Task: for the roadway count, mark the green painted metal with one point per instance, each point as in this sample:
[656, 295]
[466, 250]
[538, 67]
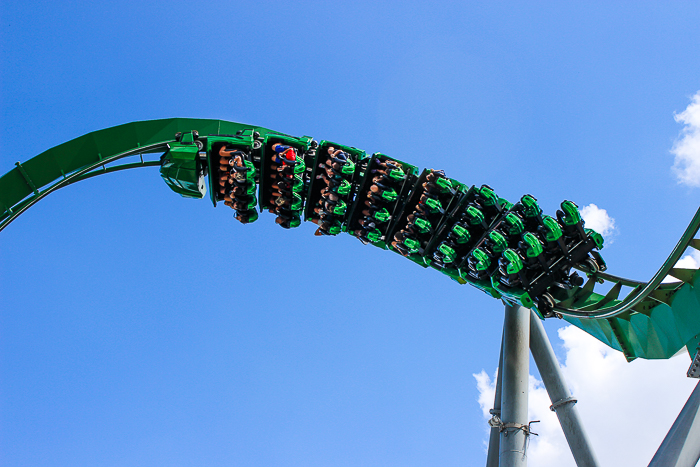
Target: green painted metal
[182, 168]
[654, 320]
[31, 181]
[350, 174]
[406, 177]
[244, 141]
[301, 145]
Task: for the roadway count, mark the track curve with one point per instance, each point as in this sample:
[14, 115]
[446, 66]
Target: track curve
[653, 320]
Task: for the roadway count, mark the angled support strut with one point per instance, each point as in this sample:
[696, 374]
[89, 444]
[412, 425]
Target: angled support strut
[681, 447]
[562, 402]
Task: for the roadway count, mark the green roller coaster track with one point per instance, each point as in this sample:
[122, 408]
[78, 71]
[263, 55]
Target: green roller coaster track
[653, 320]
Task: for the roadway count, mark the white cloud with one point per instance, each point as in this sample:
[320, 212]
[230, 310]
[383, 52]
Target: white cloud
[598, 219]
[686, 149]
[689, 261]
[626, 408]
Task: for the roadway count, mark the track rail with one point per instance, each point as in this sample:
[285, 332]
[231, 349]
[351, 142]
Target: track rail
[654, 319]
[642, 290]
[89, 171]
[88, 155]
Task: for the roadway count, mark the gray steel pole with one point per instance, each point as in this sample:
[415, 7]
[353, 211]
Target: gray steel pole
[562, 401]
[516, 370]
[495, 435]
[681, 447]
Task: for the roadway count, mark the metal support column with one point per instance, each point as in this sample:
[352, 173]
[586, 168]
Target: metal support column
[516, 367]
[681, 447]
[562, 401]
[495, 435]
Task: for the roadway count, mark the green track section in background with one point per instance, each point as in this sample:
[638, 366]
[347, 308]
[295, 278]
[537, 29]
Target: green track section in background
[98, 148]
[653, 320]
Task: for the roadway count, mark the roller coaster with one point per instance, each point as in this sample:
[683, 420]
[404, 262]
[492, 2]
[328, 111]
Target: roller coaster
[511, 251]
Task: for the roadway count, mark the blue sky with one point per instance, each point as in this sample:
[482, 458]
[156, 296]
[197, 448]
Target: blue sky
[141, 328]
